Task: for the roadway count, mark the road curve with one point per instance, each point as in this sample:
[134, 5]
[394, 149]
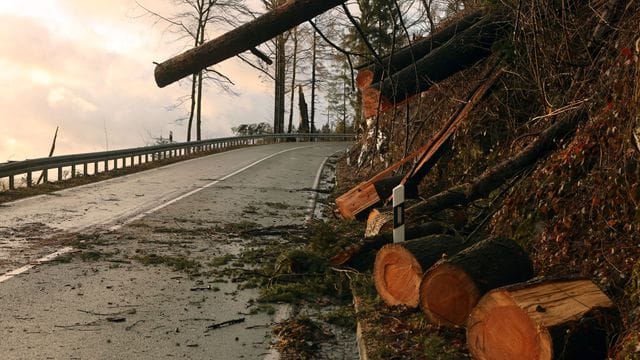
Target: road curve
[26, 225]
[116, 307]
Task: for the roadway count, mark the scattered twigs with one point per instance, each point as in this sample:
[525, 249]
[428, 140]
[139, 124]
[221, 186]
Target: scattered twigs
[130, 311]
[225, 323]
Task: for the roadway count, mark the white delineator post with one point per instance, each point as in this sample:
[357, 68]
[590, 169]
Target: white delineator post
[398, 214]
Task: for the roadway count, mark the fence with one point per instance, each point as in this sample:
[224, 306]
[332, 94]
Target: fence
[108, 160]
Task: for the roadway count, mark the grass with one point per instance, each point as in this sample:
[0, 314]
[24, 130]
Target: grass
[221, 260]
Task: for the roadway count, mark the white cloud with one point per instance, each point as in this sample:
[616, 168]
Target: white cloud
[86, 66]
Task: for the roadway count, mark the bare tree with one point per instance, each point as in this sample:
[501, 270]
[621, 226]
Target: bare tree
[191, 24]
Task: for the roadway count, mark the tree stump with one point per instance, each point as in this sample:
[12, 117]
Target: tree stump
[451, 288]
[398, 268]
[545, 319]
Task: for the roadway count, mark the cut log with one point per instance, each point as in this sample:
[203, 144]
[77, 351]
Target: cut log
[398, 268]
[404, 57]
[351, 255]
[379, 221]
[364, 195]
[243, 38]
[542, 320]
[452, 287]
[461, 52]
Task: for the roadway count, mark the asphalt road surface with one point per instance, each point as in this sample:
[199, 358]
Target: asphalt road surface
[99, 299]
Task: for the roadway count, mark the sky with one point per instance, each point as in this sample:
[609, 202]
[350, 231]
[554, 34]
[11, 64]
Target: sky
[87, 67]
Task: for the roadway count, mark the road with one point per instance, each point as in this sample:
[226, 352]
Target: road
[102, 300]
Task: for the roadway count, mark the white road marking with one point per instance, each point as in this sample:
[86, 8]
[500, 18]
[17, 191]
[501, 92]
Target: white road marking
[42, 260]
[66, 250]
[172, 201]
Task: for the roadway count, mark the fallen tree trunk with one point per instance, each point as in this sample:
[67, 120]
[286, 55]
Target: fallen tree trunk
[240, 39]
[379, 187]
[461, 52]
[542, 320]
[406, 56]
[351, 255]
[495, 177]
[398, 268]
[451, 288]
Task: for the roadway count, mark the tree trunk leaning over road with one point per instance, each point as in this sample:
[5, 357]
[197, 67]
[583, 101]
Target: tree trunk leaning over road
[451, 288]
[542, 320]
[406, 56]
[243, 38]
[398, 268]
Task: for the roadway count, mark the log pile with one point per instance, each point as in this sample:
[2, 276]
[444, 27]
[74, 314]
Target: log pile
[398, 269]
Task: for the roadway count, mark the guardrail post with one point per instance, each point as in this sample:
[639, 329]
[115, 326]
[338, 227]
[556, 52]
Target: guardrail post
[45, 176]
[29, 179]
[12, 182]
[59, 173]
[73, 170]
[85, 169]
[106, 166]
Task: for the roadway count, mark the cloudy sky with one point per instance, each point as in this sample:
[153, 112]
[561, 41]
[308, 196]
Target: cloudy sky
[86, 66]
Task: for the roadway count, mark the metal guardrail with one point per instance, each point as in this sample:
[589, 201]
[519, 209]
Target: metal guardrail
[144, 155]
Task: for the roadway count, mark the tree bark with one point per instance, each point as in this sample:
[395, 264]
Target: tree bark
[542, 320]
[293, 79]
[461, 52]
[356, 255]
[245, 37]
[495, 177]
[278, 121]
[304, 112]
[451, 288]
[312, 125]
[406, 56]
[398, 268]
[362, 197]
[194, 86]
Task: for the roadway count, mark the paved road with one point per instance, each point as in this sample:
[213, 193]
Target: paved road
[114, 307]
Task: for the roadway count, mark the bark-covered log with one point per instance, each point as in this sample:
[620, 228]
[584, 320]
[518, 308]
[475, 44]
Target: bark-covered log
[364, 195]
[495, 177]
[243, 38]
[404, 57]
[542, 320]
[399, 267]
[451, 288]
[353, 255]
[461, 52]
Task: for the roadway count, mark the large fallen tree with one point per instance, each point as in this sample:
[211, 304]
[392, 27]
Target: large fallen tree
[406, 56]
[457, 54]
[240, 39]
